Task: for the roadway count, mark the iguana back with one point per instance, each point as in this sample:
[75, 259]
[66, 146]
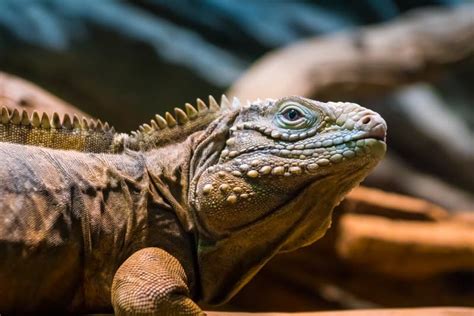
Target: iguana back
[87, 135]
[80, 199]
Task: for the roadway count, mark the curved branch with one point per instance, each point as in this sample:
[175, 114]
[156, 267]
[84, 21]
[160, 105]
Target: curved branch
[371, 61]
[17, 93]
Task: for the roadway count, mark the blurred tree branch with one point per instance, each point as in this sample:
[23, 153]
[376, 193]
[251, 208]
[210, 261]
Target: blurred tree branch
[368, 62]
[16, 93]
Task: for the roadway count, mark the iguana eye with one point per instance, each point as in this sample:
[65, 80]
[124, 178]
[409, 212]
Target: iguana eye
[295, 116]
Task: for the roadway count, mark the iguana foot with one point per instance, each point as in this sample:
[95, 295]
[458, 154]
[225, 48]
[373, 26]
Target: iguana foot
[152, 282]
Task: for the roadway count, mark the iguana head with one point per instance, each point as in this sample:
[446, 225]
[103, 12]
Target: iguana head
[278, 169]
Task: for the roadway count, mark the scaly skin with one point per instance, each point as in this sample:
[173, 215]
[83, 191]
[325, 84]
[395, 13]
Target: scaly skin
[45, 131]
[187, 209]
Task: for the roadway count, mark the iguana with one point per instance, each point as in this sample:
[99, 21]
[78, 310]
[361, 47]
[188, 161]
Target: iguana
[186, 209]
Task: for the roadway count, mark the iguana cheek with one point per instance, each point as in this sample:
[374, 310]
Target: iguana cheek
[228, 200]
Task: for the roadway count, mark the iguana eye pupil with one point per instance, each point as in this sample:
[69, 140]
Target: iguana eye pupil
[292, 115]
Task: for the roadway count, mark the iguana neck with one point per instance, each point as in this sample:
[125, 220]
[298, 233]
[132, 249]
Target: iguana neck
[168, 168]
[173, 167]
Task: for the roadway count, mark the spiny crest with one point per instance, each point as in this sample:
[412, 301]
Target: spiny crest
[172, 127]
[50, 131]
[189, 114]
[52, 122]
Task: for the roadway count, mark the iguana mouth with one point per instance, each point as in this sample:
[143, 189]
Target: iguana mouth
[310, 149]
[378, 132]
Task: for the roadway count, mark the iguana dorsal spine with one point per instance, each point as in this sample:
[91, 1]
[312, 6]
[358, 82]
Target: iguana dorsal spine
[172, 128]
[52, 132]
[87, 135]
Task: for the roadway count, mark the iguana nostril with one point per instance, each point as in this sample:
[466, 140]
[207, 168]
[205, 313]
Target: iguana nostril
[366, 120]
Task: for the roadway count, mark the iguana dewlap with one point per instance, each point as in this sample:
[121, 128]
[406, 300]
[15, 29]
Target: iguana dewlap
[186, 209]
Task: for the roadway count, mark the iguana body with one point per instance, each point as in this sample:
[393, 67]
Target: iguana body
[188, 208]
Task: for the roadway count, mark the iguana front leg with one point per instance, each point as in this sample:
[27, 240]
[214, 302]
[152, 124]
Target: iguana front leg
[152, 282]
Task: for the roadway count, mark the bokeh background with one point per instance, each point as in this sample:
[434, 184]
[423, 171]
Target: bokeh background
[124, 61]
